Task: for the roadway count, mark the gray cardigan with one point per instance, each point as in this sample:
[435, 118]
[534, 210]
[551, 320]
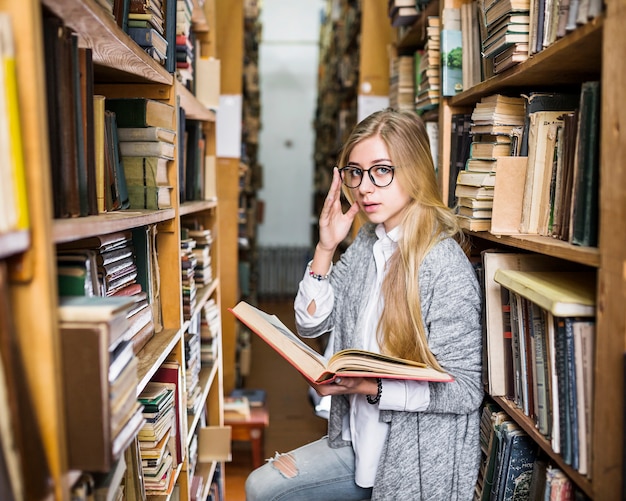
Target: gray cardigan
[435, 454]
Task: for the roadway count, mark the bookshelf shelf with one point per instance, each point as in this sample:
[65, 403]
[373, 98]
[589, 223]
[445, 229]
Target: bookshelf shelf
[65, 230]
[119, 57]
[207, 376]
[194, 109]
[154, 354]
[589, 256]
[197, 206]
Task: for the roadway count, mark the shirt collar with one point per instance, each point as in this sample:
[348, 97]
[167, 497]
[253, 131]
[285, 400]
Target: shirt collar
[393, 235]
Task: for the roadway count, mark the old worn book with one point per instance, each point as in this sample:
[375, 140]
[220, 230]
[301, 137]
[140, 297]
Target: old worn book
[147, 149]
[142, 112]
[146, 171]
[470, 178]
[345, 363]
[564, 294]
[150, 197]
[146, 134]
[474, 224]
[508, 194]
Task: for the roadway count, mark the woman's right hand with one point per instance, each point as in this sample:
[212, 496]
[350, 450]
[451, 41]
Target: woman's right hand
[334, 224]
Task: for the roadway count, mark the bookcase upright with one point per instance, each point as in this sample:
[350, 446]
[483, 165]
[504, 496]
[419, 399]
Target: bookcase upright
[122, 69]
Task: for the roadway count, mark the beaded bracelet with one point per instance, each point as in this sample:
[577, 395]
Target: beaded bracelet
[317, 277]
[374, 400]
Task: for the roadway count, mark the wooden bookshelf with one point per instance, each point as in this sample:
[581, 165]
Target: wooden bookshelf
[121, 69]
[593, 51]
[584, 54]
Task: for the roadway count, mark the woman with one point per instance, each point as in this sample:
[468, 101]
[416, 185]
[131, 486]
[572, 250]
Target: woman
[403, 287]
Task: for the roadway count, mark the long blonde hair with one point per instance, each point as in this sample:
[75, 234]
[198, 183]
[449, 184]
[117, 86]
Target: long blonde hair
[426, 220]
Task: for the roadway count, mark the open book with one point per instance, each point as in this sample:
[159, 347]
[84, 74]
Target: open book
[345, 363]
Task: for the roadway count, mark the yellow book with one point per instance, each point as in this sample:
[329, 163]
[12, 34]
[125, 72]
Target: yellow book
[22, 221]
[99, 145]
[564, 294]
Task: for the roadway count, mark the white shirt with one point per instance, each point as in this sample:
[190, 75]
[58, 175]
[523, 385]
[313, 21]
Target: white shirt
[362, 426]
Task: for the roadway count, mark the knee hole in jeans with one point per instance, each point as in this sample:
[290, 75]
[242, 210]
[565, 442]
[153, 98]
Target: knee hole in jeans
[285, 464]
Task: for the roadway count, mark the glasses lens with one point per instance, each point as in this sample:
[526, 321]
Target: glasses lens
[381, 175]
[351, 176]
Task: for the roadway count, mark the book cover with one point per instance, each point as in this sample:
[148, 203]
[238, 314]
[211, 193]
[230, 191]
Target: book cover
[170, 372]
[150, 197]
[546, 101]
[522, 455]
[147, 149]
[142, 112]
[146, 171]
[564, 294]
[346, 363]
[86, 386]
[539, 125]
[584, 334]
[118, 168]
[508, 193]
[451, 62]
[146, 134]
[584, 216]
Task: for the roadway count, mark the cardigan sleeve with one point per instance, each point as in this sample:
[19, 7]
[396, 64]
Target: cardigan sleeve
[451, 308]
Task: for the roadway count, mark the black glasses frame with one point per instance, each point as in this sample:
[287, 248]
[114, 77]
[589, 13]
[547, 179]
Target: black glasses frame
[369, 174]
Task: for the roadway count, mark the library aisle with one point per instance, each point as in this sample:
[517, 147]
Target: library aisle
[292, 420]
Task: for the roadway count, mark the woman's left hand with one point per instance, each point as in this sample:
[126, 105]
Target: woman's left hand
[347, 386]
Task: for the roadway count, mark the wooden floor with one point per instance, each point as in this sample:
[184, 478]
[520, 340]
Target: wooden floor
[292, 420]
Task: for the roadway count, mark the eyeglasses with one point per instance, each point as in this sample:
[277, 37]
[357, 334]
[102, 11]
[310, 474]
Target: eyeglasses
[380, 175]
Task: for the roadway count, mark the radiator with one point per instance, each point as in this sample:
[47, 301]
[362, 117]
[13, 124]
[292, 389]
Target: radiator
[280, 270]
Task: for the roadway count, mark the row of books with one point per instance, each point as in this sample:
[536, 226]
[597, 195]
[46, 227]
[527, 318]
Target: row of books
[551, 188]
[469, 44]
[110, 154]
[512, 467]
[113, 265]
[540, 324]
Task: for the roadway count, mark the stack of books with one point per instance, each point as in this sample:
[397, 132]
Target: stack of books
[146, 25]
[403, 12]
[402, 83]
[192, 372]
[188, 272]
[145, 128]
[155, 437]
[427, 69]
[184, 43]
[506, 34]
[492, 130]
[202, 252]
[210, 325]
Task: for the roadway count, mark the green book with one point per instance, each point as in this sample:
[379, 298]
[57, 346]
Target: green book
[150, 197]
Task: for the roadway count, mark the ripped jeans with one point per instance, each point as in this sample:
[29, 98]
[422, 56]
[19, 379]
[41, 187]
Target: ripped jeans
[313, 472]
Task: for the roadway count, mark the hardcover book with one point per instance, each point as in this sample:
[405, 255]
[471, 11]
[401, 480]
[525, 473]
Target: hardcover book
[142, 112]
[346, 363]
